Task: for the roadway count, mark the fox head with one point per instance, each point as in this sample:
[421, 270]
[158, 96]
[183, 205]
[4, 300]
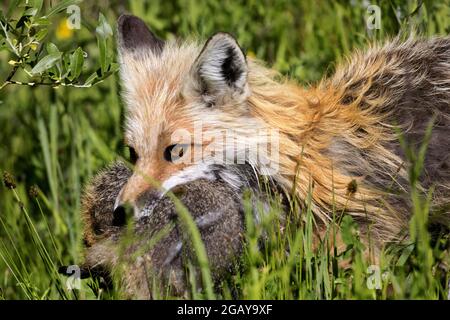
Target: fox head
[181, 99]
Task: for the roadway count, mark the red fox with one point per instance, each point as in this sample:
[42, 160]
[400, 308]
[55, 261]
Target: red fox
[337, 142]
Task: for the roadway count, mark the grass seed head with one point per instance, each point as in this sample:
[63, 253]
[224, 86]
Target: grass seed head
[8, 180]
[34, 191]
[352, 187]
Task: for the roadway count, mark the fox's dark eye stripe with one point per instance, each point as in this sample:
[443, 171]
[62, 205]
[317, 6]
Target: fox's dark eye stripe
[175, 152]
[133, 155]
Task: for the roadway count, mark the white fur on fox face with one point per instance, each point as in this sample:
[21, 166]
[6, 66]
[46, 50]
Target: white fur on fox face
[198, 171]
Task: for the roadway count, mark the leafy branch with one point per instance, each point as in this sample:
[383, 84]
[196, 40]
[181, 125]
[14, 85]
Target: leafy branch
[23, 33]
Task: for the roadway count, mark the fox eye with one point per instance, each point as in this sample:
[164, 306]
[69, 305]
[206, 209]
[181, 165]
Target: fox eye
[133, 155]
[174, 152]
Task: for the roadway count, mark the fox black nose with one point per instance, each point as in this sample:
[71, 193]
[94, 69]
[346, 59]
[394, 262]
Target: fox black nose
[119, 216]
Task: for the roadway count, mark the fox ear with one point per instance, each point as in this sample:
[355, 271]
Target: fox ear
[222, 70]
[133, 34]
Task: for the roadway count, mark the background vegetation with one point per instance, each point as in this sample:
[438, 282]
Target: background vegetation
[58, 131]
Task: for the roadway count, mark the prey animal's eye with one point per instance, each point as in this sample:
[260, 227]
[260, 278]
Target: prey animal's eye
[133, 155]
[175, 151]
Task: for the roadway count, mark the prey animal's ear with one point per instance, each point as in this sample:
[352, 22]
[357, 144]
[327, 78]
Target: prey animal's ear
[221, 69]
[133, 35]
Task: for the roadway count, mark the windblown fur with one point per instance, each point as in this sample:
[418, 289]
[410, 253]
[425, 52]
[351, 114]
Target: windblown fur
[344, 130]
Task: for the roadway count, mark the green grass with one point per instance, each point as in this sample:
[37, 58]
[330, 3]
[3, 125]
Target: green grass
[56, 139]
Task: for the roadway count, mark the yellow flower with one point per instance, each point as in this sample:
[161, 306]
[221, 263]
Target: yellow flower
[63, 31]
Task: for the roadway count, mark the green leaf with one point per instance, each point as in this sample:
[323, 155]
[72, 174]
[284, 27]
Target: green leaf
[76, 64]
[57, 69]
[46, 63]
[103, 32]
[30, 12]
[406, 253]
[65, 65]
[91, 79]
[103, 57]
[103, 29]
[41, 34]
[42, 21]
[51, 48]
[113, 67]
[66, 61]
